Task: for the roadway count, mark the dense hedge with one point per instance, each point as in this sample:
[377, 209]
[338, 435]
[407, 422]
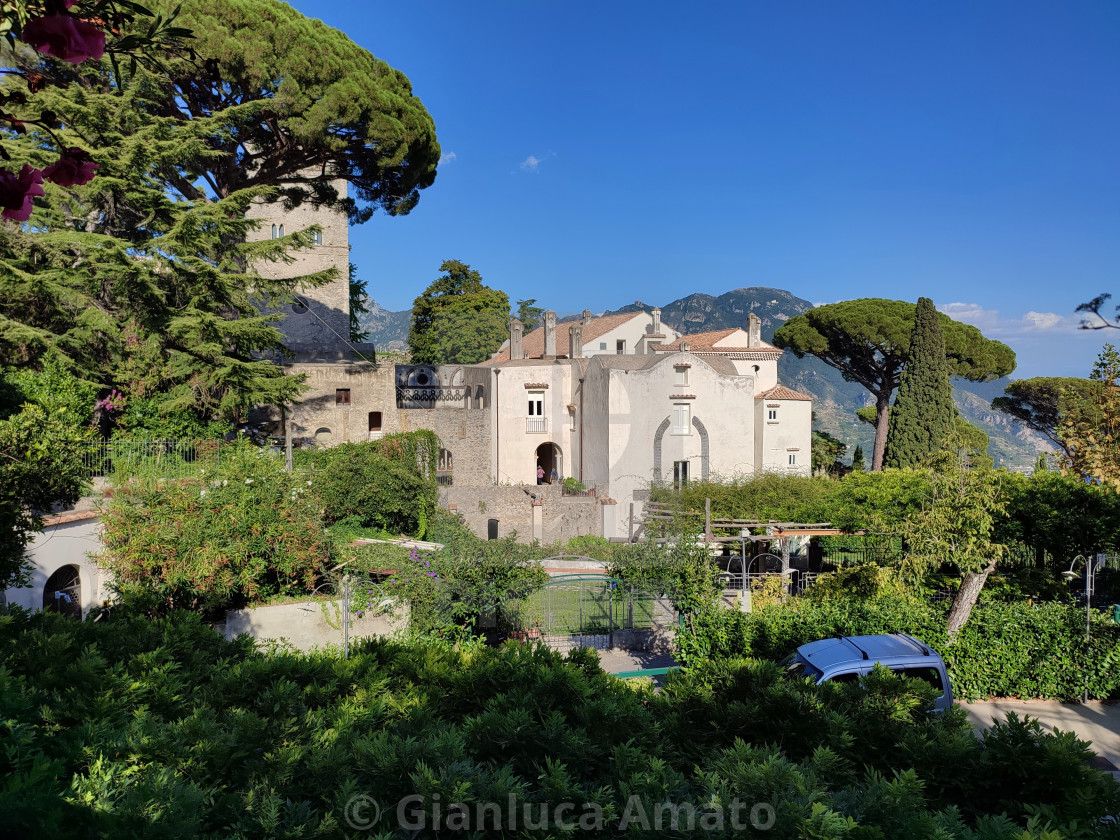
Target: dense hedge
[384, 484]
[1005, 650]
[161, 729]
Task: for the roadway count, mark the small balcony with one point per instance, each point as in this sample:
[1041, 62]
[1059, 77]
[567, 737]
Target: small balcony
[536, 425]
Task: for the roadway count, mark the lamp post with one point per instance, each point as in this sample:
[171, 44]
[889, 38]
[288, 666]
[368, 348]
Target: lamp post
[1090, 578]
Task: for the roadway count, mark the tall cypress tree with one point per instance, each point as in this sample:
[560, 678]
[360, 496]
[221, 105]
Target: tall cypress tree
[923, 412]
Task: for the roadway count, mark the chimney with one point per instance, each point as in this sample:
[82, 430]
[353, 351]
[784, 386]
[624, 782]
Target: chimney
[575, 341]
[754, 330]
[549, 322]
[586, 319]
[515, 331]
[685, 346]
[656, 321]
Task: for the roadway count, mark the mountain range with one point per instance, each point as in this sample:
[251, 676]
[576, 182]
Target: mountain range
[834, 400]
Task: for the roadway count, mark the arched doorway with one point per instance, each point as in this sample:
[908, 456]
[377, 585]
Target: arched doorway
[551, 460]
[63, 592]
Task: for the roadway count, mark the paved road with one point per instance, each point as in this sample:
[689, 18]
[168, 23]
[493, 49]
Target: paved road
[1094, 721]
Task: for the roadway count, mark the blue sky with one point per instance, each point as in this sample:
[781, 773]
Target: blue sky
[600, 153]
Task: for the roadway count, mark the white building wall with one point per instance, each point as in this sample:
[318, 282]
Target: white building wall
[515, 445]
[638, 404]
[633, 332]
[764, 371]
[790, 434]
[67, 544]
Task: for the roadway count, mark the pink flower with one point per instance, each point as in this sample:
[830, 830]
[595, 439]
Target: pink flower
[74, 168]
[16, 192]
[64, 37]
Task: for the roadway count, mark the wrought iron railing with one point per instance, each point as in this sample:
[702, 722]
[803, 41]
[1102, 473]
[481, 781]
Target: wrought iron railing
[429, 396]
[536, 425]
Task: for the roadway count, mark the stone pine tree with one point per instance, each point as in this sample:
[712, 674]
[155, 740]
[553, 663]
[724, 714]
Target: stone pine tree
[923, 412]
[868, 341]
[279, 100]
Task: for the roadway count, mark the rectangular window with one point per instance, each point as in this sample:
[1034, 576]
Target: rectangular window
[793, 459]
[772, 415]
[680, 474]
[536, 404]
[620, 347]
[375, 421]
[682, 419]
[682, 376]
[602, 345]
[342, 396]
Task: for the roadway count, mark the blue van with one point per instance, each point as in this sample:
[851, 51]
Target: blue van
[847, 658]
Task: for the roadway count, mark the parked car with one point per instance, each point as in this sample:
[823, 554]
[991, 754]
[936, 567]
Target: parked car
[846, 658]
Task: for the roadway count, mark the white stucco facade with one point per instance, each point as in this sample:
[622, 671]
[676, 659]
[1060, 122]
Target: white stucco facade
[62, 574]
[696, 407]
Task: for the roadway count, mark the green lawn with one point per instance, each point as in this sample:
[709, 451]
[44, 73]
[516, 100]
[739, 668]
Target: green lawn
[593, 607]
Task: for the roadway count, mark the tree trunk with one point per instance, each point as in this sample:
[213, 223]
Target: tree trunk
[882, 409]
[965, 599]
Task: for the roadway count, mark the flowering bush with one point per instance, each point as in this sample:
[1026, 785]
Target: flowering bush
[241, 534]
[64, 37]
[51, 28]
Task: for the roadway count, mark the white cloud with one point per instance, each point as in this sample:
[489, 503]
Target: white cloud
[447, 157]
[993, 324]
[530, 164]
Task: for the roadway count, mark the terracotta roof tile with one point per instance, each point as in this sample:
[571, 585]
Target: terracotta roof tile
[532, 344]
[781, 392]
[72, 516]
[705, 342]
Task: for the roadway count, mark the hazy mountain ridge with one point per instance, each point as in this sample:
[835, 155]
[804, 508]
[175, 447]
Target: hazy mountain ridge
[387, 330]
[834, 400]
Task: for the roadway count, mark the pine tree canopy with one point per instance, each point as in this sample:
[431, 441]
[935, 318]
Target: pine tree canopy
[923, 413]
[280, 100]
[868, 341]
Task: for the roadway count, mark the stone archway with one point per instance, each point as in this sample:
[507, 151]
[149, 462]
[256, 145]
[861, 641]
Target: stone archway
[550, 459]
[62, 593]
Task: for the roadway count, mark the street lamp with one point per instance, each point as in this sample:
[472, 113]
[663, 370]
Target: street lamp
[1090, 578]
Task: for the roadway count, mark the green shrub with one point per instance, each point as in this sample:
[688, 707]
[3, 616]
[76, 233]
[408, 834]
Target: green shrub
[242, 534]
[161, 728]
[359, 484]
[1005, 650]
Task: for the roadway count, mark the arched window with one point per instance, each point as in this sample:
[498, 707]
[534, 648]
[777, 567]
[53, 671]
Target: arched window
[281, 230]
[274, 231]
[445, 475]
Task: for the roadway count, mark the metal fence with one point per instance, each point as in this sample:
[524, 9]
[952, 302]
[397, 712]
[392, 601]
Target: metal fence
[795, 581]
[585, 604]
[166, 458]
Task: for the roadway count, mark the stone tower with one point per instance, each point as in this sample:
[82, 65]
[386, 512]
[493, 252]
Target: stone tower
[325, 320]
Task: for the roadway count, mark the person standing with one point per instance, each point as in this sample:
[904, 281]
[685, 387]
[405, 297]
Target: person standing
[540, 474]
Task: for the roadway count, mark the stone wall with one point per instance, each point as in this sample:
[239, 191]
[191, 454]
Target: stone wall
[328, 321]
[560, 517]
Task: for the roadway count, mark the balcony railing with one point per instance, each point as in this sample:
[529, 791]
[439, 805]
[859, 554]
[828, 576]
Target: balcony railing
[536, 425]
[430, 397]
[444, 478]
